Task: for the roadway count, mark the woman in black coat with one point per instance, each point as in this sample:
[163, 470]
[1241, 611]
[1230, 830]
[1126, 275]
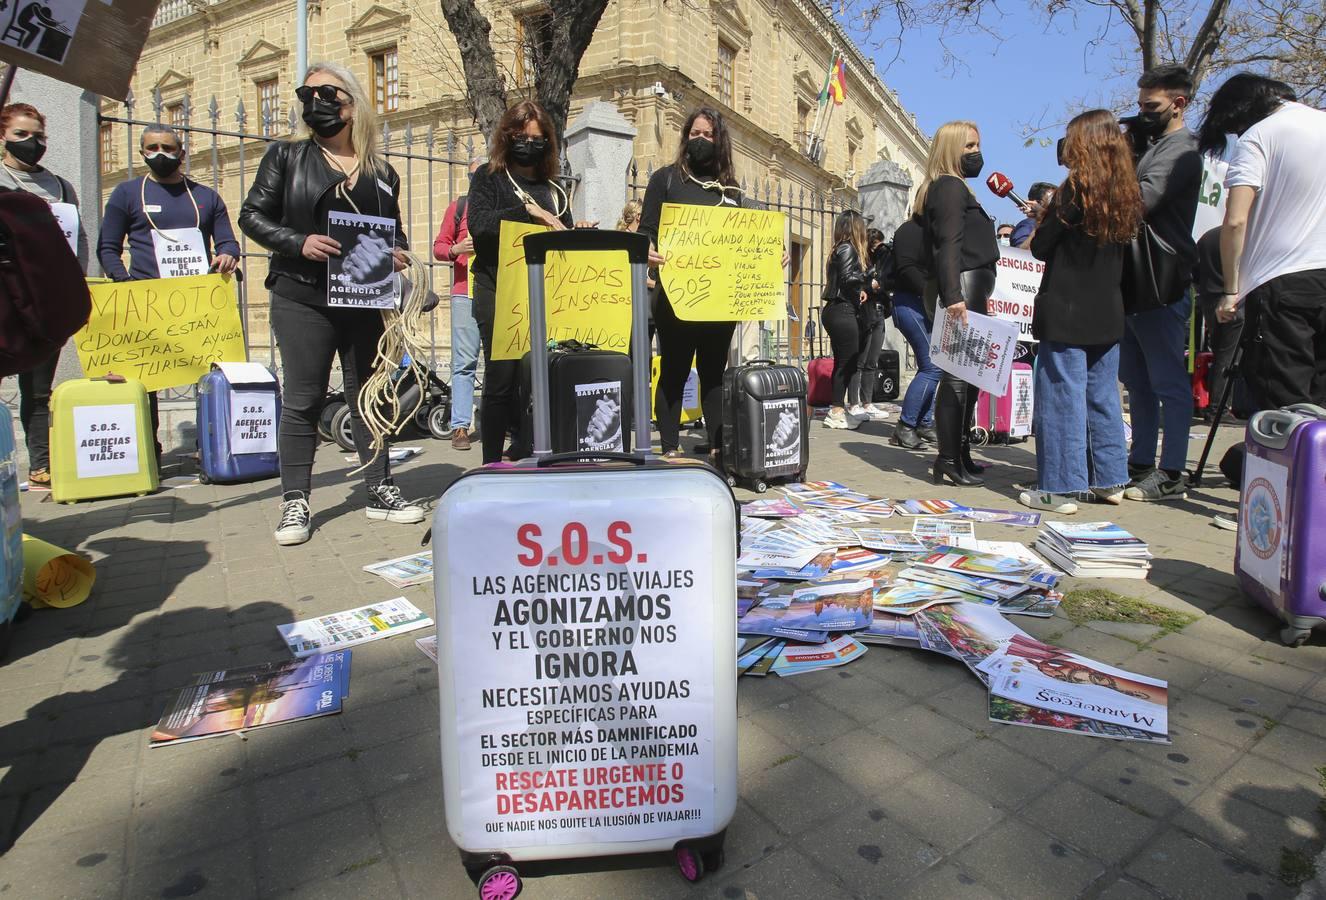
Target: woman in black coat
[337, 169]
[844, 294]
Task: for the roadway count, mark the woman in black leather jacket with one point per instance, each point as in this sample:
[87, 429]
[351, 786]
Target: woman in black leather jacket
[961, 244]
[844, 293]
[298, 184]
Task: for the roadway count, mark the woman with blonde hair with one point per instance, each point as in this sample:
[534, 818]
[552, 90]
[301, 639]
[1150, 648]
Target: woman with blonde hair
[960, 238]
[1079, 318]
[299, 183]
[630, 220]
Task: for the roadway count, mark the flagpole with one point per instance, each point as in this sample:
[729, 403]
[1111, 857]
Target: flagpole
[824, 101]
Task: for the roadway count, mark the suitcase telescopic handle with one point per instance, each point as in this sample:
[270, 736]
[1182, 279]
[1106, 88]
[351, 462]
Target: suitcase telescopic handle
[582, 240]
[1272, 427]
[574, 456]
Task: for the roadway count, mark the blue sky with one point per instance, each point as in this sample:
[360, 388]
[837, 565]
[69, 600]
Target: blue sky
[1034, 74]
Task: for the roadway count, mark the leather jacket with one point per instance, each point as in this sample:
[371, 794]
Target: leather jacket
[282, 208]
[844, 276]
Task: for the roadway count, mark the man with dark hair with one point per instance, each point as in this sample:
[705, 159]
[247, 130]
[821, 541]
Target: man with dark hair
[1151, 357]
[1005, 234]
[1038, 200]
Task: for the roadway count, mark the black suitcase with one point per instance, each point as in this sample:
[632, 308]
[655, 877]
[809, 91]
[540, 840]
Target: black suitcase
[766, 433]
[590, 399]
[887, 385]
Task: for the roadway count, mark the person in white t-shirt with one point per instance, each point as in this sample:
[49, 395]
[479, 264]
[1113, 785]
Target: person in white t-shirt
[1273, 241]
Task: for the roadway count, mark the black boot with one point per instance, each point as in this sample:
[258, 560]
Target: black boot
[969, 464]
[968, 422]
[950, 419]
[905, 436]
[927, 434]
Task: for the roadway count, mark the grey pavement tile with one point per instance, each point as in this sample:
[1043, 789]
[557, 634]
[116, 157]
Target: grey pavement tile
[390, 721]
[939, 811]
[863, 698]
[1181, 674]
[1310, 656]
[207, 767]
[1015, 853]
[1298, 750]
[82, 717]
[755, 694]
[758, 749]
[1204, 652]
[312, 848]
[410, 814]
[1273, 673]
[220, 870]
[1273, 787]
[918, 673]
[803, 721]
[867, 851]
[786, 873]
[175, 823]
[1061, 752]
[116, 753]
[942, 882]
[1145, 787]
[796, 794]
[93, 799]
[1232, 725]
[1217, 630]
[1103, 828]
[1097, 645]
[923, 731]
[750, 838]
[1181, 866]
[1258, 699]
[1245, 830]
[1125, 889]
[88, 863]
[1133, 632]
[429, 871]
[1011, 780]
[307, 791]
[399, 763]
[364, 877]
[1306, 715]
[869, 763]
[1190, 757]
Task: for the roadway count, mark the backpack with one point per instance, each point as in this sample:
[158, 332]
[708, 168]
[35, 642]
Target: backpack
[44, 297]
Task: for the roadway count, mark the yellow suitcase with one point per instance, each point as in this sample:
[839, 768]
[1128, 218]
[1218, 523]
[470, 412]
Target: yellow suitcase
[101, 440]
[690, 407]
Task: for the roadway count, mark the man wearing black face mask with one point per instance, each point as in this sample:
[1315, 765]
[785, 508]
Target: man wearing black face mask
[1151, 357]
[175, 226]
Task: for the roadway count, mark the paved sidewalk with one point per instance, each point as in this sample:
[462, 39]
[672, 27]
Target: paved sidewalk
[882, 778]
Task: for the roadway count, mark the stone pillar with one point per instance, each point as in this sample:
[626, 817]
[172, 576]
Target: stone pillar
[599, 146]
[884, 191]
[71, 153]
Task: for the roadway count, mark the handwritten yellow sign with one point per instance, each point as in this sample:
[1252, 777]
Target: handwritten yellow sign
[724, 264]
[165, 332]
[587, 296]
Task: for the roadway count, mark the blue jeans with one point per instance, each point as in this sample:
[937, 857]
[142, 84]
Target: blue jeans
[918, 404]
[1153, 369]
[464, 360]
[1079, 421]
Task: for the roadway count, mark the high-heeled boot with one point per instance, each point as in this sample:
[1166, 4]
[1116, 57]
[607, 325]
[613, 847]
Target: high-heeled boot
[950, 416]
[971, 466]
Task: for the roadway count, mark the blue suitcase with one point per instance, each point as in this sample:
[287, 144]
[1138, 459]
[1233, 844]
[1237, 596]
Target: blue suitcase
[11, 524]
[237, 424]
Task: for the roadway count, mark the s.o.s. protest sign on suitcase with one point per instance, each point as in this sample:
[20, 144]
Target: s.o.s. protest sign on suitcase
[782, 432]
[252, 422]
[599, 416]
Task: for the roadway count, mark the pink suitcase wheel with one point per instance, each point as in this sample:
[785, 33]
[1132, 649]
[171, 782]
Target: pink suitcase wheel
[499, 883]
[689, 863]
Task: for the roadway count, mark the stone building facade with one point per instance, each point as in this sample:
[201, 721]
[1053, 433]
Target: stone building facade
[762, 62]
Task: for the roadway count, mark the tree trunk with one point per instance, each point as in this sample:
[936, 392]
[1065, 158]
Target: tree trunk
[573, 27]
[485, 90]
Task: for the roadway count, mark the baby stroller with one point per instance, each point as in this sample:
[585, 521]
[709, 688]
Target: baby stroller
[433, 415]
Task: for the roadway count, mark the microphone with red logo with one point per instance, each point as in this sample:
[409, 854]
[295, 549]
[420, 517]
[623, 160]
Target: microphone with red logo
[1001, 186]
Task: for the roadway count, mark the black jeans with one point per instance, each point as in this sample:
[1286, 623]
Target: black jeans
[34, 410]
[499, 410]
[839, 318]
[871, 319]
[678, 343]
[1224, 340]
[1288, 356]
[309, 336]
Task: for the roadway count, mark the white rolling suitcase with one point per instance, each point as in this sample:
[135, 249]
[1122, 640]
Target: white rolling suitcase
[586, 640]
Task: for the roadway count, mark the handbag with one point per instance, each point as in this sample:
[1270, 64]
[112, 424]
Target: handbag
[431, 299]
[1153, 274]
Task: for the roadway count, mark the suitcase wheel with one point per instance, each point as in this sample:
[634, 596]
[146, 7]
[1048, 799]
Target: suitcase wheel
[731, 481]
[439, 421]
[713, 860]
[203, 479]
[690, 862]
[1294, 637]
[499, 883]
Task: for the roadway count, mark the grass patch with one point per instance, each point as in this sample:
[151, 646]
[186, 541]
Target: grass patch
[1296, 867]
[783, 759]
[1099, 605]
[362, 864]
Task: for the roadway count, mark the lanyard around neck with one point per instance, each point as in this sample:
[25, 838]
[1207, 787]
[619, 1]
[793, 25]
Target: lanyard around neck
[142, 199]
[525, 197]
[717, 186]
[348, 173]
[18, 185]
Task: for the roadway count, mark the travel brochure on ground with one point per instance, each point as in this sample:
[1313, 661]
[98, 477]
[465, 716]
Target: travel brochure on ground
[356, 626]
[405, 571]
[817, 586]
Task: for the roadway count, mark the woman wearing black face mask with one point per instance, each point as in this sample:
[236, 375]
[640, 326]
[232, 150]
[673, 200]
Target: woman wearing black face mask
[960, 238]
[24, 130]
[298, 185]
[701, 176]
[517, 185]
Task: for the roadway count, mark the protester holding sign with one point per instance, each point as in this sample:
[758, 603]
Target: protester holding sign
[1079, 318]
[960, 240]
[517, 185]
[24, 130]
[700, 176]
[175, 226]
[300, 187]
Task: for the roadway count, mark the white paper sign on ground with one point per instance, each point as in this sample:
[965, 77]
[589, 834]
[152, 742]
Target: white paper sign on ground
[1262, 521]
[980, 353]
[581, 634]
[106, 440]
[1018, 277]
[180, 252]
[252, 422]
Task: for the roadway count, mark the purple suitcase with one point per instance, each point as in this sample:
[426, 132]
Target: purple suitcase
[1282, 517]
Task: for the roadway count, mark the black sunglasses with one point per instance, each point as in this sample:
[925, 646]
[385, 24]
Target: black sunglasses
[324, 92]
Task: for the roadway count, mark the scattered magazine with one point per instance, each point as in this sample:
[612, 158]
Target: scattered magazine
[887, 628]
[889, 541]
[799, 659]
[428, 646]
[943, 528]
[928, 507]
[355, 626]
[985, 565]
[231, 700]
[405, 571]
[1003, 517]
[908, 597]
[773, 508]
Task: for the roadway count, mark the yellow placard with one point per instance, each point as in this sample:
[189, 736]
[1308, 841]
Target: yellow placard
[54, 577]
[724, 264]
[587, 296]
[164, 332]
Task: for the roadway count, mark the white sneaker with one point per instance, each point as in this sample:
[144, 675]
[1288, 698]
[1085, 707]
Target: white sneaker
[1054, 503]
[293, 526]
[859, 411]
[1110, 495]
[385, 503]
[837, 419]
[875, 414]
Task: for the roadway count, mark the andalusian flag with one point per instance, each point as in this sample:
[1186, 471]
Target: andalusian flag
[835, 83]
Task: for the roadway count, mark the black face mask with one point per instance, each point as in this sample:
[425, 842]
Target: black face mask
[1154, 122]
[323, 118]
[972, 163]
[700, 153]
[528, 151]
[163, 166]
[1059, 151]
[27, 151]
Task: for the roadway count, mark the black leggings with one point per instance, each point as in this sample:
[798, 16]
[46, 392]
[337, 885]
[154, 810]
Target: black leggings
[839, 318]
[309, 336]
[678, 343]
[34, 410]
[499, 410]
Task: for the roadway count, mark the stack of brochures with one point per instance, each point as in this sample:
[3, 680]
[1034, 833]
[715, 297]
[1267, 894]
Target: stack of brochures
[1094, 550]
